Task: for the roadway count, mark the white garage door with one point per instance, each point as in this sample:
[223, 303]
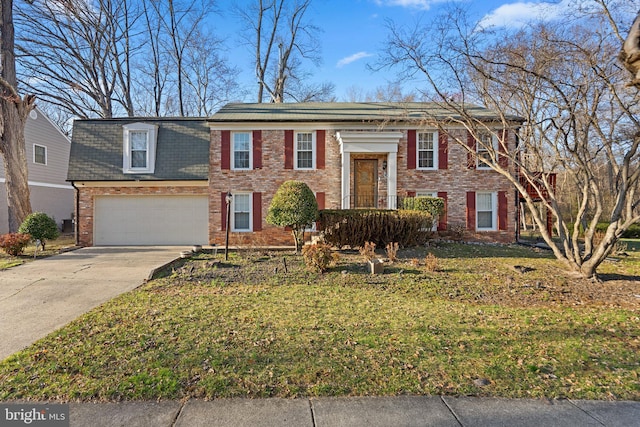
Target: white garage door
[151, 220]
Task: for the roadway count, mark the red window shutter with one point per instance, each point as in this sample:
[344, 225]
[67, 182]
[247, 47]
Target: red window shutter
[288, 149]
[320, 200]
[471, 210]
[471, 155]
[503, 145]
[443, 150]
[257, 149]
[225, 150]
[442, 221]
[223, 210]
[257, 211]
[320, 148]
[502, 210]
[411, 149]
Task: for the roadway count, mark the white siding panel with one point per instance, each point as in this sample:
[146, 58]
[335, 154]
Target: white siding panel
[151, 220]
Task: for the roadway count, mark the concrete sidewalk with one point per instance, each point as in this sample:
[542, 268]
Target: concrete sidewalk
[359, 411]
[41, 296]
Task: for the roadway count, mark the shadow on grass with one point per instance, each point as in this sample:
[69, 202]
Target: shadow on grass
[610, 277]
[474, 250]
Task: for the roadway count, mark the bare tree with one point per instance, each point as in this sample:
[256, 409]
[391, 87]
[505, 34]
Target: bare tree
[281, 39]
[179, 25]
[77, 55]
[14, 110]
[208, 79]
[108, 58]
[565, 83]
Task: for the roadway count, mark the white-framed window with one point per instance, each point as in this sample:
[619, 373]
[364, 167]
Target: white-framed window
[305, 150]
[139, 148]
[241, 153]
[486, 211]
[482, 150]
[39, 154]
[427, 149]
[241, 209]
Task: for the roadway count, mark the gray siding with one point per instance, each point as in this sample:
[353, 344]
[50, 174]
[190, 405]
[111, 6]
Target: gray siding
[50, 192]
[55, 202]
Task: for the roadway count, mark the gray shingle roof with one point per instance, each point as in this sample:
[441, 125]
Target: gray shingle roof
[343, 112]
[182, 150]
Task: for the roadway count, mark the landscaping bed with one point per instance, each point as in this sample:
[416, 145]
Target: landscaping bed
[488, 321]
[53, 247]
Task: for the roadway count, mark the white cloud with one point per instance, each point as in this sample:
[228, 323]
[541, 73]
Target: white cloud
[514, 15]
[414, 4]
[352, 58]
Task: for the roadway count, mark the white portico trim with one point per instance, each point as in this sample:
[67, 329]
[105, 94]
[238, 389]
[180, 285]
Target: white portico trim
[369, 142]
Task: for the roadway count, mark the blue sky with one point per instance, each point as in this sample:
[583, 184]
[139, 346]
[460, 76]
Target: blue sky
[354, 32]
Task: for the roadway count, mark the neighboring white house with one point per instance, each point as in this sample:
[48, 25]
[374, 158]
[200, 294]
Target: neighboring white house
[47, 160]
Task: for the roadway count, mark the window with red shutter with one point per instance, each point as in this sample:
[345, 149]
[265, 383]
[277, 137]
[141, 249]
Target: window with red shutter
[502, 210]
[471, 210]
[257, 149]
[225, 150]
[320, 148]
[442, 221]
[471, 154]
[288, 149]
[411, 149]
[257, 211]
[443, 150]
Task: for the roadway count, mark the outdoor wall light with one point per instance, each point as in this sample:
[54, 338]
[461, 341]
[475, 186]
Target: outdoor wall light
[384, 165]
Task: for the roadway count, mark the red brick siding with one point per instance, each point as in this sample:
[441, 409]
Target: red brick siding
[456, 181]
[277, 155]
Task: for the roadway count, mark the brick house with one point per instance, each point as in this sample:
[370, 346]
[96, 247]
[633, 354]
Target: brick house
[165, 181]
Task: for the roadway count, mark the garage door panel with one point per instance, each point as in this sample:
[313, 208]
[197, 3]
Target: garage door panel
[151, 220]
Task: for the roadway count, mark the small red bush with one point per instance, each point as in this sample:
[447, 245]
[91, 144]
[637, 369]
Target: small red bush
[14, 243]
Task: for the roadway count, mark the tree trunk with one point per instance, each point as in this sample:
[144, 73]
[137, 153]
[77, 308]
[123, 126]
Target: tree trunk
[296, 238]
[14, 112]
[15, 161]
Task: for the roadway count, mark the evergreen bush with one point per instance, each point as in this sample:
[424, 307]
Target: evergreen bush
[41, 227]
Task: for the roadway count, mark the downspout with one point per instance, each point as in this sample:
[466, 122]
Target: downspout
[77, 212]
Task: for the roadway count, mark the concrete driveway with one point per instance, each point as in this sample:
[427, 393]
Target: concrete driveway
[39, 297]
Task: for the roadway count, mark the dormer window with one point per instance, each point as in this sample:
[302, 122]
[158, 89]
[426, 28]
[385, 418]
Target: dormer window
[139, 148]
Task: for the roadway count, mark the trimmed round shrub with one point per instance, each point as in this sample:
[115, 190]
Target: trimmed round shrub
[41, 227]
[295, 206]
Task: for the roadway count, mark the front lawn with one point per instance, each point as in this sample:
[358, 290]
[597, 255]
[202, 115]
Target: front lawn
[491, 321]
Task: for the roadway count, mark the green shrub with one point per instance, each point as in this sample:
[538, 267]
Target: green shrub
[14, 243]
[355, 227]
[433, 205]
[319, 257]
[295, 206]
[40, 226]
